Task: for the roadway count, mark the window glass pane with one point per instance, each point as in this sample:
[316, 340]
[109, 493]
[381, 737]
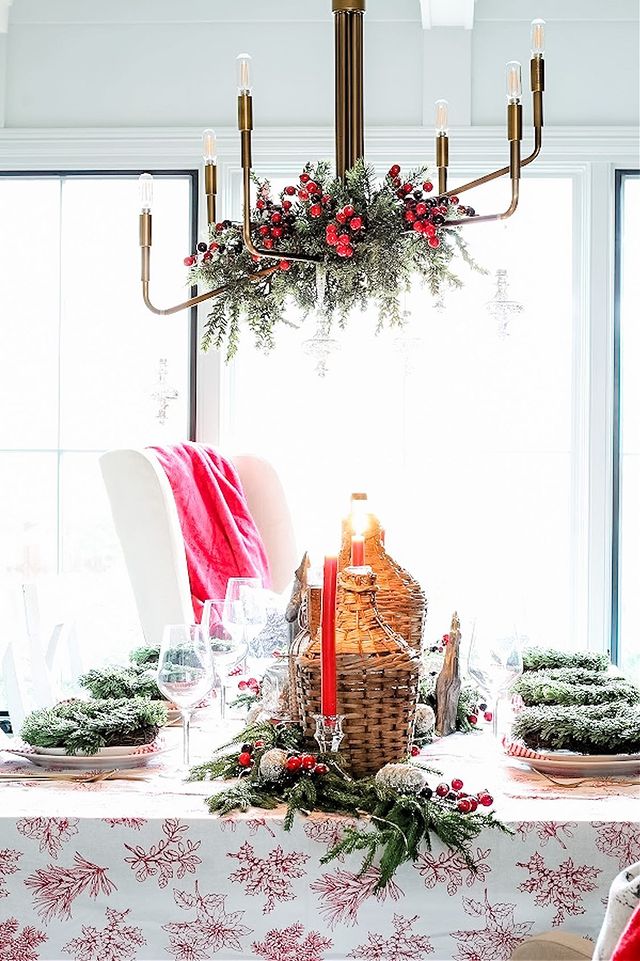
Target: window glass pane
[28, 520]
[629, 557]
[29, 296]
[84, 367]
[111, 345]
[97, 587]
[462, 437]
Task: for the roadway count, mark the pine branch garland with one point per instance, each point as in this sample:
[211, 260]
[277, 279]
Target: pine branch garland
[535, 688]
[399, 820]
[598, 729]
[376, 264]
[539, 659]
[120, 682]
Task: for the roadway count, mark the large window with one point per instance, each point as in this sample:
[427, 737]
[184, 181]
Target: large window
[626, 601]
[463, 437]
[84, 367]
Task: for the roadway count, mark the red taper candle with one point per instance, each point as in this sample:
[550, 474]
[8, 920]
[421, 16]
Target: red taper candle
[328, 646]
[357, 550]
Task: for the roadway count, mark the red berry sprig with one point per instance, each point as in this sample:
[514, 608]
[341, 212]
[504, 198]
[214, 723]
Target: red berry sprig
[305, 763]
[464, 803]
[251, 684]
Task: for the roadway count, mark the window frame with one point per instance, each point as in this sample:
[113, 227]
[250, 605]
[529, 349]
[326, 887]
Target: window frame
[621, 175]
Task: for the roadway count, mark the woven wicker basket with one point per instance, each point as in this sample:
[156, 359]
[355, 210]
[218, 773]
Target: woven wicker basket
[377, 679]
[401, 601]
[308, 627]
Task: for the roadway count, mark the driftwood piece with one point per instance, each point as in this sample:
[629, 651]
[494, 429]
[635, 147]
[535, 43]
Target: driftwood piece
[300, 579]
[449, 684]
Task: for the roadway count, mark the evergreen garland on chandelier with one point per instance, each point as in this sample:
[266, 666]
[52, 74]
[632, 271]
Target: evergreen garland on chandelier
[372, 240]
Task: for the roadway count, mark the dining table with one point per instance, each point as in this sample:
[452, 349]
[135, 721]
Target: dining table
[135, 867]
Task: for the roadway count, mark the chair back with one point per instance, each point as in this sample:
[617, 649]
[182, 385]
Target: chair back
[268, 505]
[147, 524]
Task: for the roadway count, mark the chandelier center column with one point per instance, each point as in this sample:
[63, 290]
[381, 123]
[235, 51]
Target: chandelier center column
[349, 86]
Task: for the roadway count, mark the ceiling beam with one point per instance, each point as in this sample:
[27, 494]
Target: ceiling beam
[447, 13]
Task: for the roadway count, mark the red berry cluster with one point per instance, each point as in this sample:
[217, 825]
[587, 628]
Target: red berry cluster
[204, 252]
[440, 646]
[423, 214]
[305, 763]
[480, 709]
[465, 803]
[277, 220]
[251, 684]
[344, 230]
[245, 758]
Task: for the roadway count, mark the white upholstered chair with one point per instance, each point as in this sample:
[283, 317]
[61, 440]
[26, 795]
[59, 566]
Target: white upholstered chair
[146, 521]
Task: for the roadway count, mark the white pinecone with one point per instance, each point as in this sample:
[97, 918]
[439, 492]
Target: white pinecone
[402, 778]
[425, 719]
[272, 764]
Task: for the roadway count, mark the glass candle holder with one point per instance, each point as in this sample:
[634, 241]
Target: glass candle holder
[329, 733]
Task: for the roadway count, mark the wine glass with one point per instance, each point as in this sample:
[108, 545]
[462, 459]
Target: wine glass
[495, 661]
[228, 650]
[185, 672]
[245, 612]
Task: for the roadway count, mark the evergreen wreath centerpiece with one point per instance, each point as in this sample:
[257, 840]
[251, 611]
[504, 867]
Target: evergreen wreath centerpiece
[85, 727]
[571, 702]
[370, 239]
[114, 681]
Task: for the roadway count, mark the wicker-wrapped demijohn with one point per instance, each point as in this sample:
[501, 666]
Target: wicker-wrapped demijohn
[401, 601]
[308, 622]
[377, 678]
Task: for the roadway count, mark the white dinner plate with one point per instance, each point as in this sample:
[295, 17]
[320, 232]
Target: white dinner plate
[565, 764]
[106, 759]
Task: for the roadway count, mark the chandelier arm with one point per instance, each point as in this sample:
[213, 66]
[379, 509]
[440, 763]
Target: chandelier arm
[442, 162]
[245, 126]
[253, 278]
[210, 190]
[487, 218]
[537, 147]
[514, 135]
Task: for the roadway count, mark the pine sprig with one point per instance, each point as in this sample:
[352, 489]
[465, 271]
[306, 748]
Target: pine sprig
[146, 656]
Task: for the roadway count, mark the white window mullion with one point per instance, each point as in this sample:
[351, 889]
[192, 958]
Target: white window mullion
[599, 232]
[580, 441]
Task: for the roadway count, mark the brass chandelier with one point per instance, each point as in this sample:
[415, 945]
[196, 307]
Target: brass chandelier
[349, 143]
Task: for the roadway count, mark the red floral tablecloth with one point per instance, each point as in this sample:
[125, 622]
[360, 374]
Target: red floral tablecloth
[140, 870]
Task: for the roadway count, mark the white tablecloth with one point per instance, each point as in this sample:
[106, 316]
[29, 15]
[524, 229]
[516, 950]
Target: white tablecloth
[140, 870]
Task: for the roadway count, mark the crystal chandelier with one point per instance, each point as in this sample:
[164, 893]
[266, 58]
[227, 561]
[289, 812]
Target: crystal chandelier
[500, 307]
[349, 145]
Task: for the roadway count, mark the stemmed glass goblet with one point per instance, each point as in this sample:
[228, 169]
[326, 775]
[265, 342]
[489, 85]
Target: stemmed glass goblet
[244, 613]
[228, 649]
[494, 663]
[185, 672]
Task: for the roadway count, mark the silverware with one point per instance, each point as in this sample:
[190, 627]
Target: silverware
[87, 777]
